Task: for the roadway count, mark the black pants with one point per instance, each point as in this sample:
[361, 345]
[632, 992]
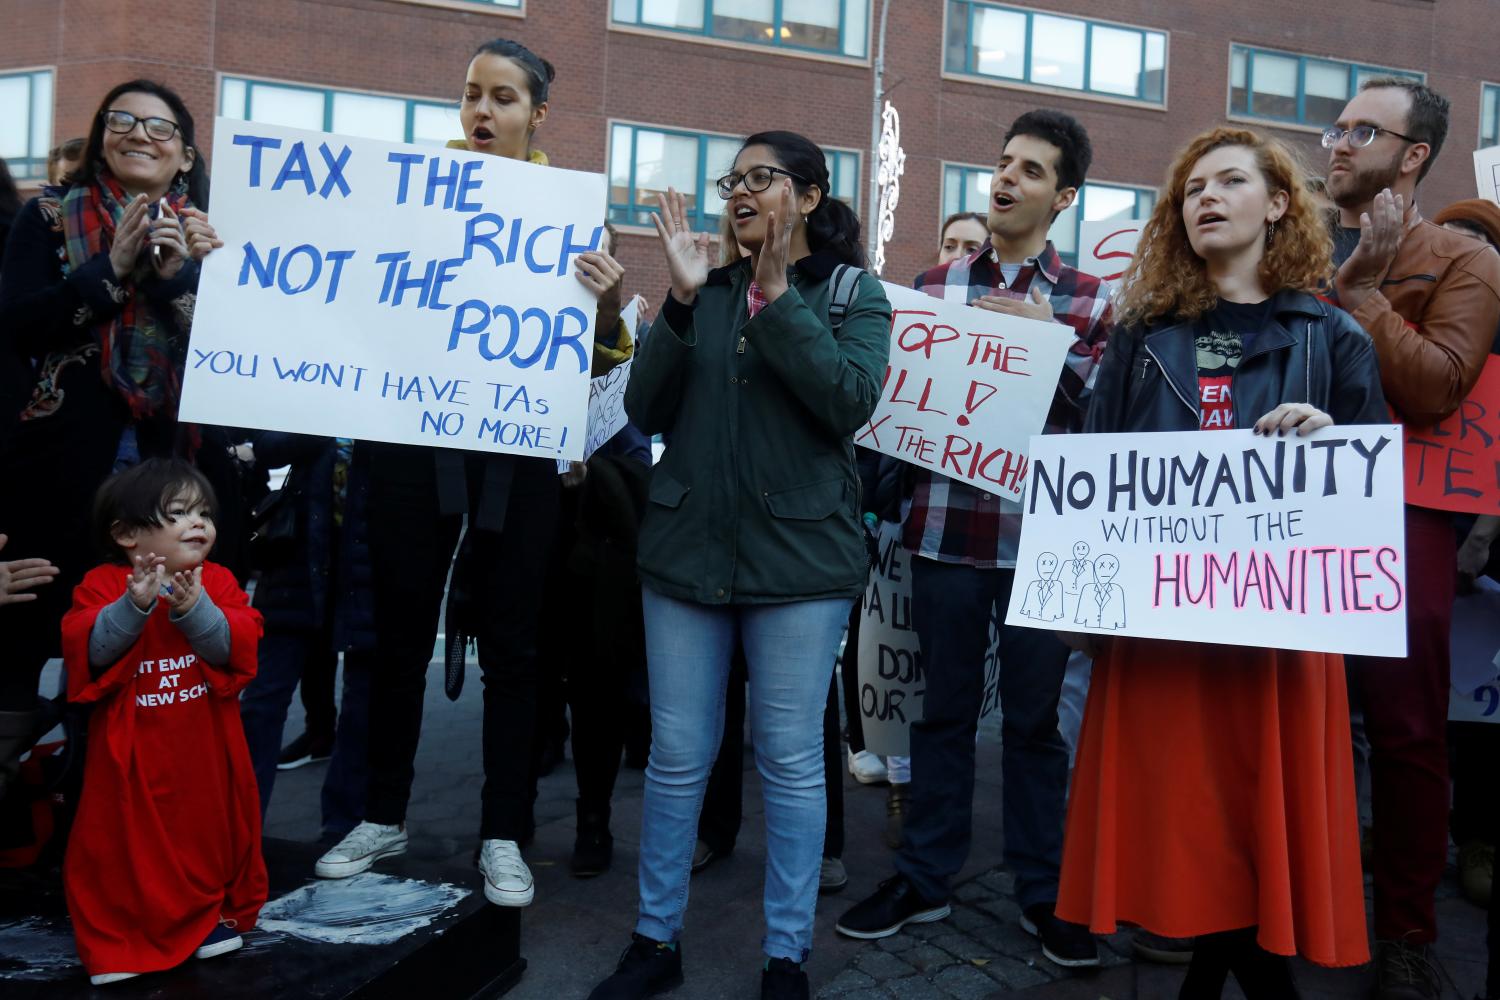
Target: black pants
[1474, 748]
[411, 547]
[849, 670]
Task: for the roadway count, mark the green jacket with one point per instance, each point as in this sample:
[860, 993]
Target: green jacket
[756, 500]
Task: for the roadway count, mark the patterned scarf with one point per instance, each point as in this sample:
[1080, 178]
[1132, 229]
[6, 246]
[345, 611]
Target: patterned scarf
[138, 354]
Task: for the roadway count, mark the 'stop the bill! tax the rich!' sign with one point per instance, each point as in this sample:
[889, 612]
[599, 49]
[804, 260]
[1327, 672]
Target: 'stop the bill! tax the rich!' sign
[399, 293]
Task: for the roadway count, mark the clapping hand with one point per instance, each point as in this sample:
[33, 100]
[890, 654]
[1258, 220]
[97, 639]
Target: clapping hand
[20, 575]
[1380, 232]
[771, 263]
[182, 595]
[202, 238]
[146, 580]
[169, 243]
[130, 237]
[686, 251]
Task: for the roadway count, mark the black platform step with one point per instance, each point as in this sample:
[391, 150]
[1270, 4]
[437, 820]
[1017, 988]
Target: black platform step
[467, 948]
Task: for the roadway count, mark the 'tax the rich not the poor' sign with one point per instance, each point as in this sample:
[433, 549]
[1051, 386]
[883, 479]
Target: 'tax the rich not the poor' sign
[1220, 536]
[397, 293]
[965, 389]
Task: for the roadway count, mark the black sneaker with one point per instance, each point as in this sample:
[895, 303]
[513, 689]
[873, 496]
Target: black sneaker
[1404, 972]
[303, 750]
[1162, 950]
[647, 968]
[1065, 944]
[783, 979]
[890, 908]
[594, 847]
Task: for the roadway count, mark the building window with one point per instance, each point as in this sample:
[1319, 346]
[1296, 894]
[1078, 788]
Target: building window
[1489, 115]
[26, 123]
[967, 189]
[345, 112]
[1050, 50]
[1286, 87]
[644, 162]
[836, 27]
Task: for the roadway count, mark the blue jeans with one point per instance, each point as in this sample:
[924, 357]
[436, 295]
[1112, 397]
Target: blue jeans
[263, 708]
[951, 612]
[790, 650]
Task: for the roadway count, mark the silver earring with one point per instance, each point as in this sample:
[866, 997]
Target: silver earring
[1271, 233]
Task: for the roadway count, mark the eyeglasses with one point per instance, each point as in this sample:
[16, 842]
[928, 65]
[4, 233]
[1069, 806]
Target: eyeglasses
[123, 123]
[1359, 135]
[756, 179]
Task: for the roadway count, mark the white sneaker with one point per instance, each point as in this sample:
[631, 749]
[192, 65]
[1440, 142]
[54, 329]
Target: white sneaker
[361, 847]
[867, 768]
[105, 978]
[507, 880]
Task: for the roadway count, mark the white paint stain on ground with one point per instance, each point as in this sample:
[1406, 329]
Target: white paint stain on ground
[368, 908]
[37, 950]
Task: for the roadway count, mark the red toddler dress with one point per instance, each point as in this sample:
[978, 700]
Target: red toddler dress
[167, 838]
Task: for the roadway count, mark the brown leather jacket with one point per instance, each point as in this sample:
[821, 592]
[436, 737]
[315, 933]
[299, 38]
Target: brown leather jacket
[1433, 320]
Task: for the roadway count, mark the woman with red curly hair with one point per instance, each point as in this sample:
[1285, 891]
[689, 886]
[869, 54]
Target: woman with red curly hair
[1213, 795]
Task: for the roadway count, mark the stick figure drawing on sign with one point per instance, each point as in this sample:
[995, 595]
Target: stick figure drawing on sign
[1044, 595]
[1075, 573]
[1102, 603]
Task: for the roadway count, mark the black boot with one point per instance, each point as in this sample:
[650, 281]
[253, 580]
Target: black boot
[594, 848]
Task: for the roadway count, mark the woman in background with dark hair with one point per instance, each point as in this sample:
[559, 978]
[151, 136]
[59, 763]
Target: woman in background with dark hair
[752, 532]
[97, 291]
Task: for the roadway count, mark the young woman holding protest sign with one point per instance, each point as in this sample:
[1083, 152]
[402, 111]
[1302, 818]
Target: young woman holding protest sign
[418, 499]
[765, 550]
[1252, 845]
[97, 291]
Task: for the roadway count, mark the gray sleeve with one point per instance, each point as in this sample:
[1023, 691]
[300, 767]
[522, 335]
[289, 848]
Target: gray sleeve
[116, 629]
[207, 630]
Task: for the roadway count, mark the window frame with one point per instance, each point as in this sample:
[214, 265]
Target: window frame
[1486, 87]
[34, 163]
[328, 93]
[1026, 82]
[702, 221]
[473, 6]
[1069, 257]
[1300, 122]
[706, 36]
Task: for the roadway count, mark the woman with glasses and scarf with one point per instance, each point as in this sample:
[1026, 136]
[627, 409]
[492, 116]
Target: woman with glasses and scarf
[97, 292]
[752, 533]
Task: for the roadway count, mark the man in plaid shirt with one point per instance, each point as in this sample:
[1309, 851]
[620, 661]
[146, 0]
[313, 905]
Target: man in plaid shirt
[965, 542]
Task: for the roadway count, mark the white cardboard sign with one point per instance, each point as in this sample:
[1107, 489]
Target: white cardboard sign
[1105, 248]
[391, 292]
[1218, 536]
[1474, 695]
[1487, 172]
[965, 389]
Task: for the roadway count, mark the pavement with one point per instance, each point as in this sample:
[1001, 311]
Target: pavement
[573, 933]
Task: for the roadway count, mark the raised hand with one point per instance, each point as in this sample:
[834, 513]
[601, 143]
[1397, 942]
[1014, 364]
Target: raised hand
[130, 237]
[146, 580]
[20, 575]
[202, 238]
[771, 263]
[686, 251]
[184, 591]
[1380, 232]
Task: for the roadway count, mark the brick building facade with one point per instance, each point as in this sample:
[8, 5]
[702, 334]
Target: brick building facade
[648, 89]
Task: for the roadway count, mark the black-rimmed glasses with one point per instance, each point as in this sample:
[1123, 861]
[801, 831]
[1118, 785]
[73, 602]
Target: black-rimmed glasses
[756, 180]
[1359, 135]
[123, 123]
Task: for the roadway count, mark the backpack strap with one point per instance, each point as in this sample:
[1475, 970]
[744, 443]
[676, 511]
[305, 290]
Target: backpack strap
[845, 281]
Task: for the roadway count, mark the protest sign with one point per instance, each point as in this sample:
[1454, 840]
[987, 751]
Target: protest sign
[1105, 248]
[964, 389]
[1487, 172]
[398, 293]
[1455, 463]
[892, 682]
[1223, 536]
[607, 392]
[1474, 695]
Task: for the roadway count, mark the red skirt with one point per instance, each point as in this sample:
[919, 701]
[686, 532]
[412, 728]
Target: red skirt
[1214, 790]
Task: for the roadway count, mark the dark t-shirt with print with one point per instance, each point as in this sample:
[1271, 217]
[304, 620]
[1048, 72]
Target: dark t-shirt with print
[1225, 335]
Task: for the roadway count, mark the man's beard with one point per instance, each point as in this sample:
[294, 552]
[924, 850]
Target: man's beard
[1359, 186]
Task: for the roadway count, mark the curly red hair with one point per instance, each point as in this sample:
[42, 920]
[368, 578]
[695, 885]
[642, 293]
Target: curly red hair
[1166, 278]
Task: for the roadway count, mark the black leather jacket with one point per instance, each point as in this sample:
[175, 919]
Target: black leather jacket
[1312, 353]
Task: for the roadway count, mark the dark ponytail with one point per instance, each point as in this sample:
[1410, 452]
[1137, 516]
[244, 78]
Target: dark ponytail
[539, 72]
[832, 225]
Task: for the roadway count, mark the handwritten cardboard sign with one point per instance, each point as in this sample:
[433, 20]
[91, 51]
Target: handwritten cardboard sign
[965, 389]
[1487, 172]
[1218, 536]
[1455, 464]
[1474, 695]
[397, 293]
[1105, 248]
[892, 681]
